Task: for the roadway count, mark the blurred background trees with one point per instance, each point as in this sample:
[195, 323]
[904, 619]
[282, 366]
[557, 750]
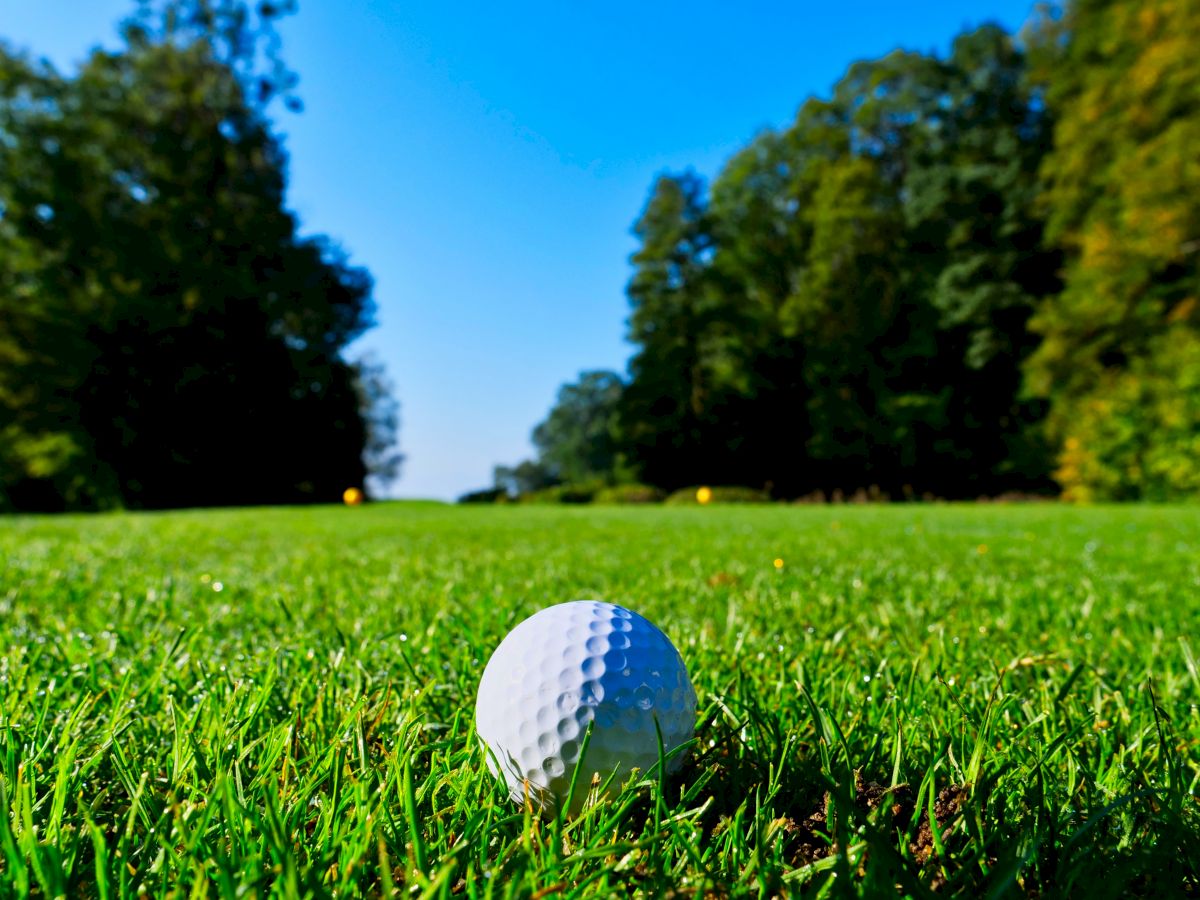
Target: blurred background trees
[167, 336]
[957, 276]
[857, 311]
[1120, 344]
[964, 274]
[578, 442]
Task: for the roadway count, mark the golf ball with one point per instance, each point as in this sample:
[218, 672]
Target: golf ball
[569, 666]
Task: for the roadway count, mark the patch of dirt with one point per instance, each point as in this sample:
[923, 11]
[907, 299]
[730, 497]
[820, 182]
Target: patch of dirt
[945, 807]
[811, 845]
[869, 796]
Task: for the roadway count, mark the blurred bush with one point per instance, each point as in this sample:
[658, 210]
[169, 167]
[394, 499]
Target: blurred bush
[487, 495]
[622, 494]
[562, 493]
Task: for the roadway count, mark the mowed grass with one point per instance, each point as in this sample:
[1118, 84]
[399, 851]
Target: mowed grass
[972, 701]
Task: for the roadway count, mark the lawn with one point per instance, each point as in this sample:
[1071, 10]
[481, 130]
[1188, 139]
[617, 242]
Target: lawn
[960, 700]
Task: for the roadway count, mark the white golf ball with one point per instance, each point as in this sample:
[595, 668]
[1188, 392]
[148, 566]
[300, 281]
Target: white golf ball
[569, 666]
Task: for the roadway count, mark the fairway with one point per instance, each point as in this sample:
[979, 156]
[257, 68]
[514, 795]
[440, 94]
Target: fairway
[959, 699]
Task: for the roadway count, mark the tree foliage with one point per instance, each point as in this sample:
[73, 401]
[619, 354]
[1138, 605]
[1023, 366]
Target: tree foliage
[576, 446]
[577, 440]
[526, 477]
[957, 275]
[167, 336]
[848, 305]
[1123, 201]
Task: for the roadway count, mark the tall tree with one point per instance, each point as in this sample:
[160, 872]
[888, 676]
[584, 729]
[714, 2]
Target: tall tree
[577, 441]
[168, 338]
[665, 406]
[960, 141]
[1123, 200]
[849, 307]
[525, 477]
[45, 453]
[380, 412]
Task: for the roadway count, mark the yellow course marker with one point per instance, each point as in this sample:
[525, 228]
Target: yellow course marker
[352, 496]
[704, 495]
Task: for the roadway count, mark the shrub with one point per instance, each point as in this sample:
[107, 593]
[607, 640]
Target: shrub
[561, 493]
[725, 494]
[629, 493]
[487, 495]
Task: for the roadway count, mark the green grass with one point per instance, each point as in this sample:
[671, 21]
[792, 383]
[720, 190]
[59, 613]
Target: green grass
[977, 701]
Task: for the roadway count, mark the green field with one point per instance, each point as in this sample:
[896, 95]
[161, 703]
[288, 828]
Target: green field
[963, 700]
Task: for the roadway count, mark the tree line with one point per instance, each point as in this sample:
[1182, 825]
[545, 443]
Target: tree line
[959, 275]
[168, 337]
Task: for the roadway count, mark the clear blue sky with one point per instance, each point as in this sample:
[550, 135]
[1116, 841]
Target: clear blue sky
[485, 162]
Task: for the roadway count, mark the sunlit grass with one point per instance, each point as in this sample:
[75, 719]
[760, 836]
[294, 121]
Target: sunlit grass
[970, 700]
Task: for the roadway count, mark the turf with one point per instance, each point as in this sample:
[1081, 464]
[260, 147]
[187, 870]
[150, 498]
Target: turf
[967, 701]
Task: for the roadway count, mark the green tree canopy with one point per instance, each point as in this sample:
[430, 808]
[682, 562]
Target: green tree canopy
[577, 441]
[848, 305]
[167, 336]
[1123, 202]
[525, 477]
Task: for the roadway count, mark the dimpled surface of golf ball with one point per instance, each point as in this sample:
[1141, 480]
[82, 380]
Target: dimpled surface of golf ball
[569, 666]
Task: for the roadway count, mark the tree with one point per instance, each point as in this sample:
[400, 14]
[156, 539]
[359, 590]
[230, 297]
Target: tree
[525, 477]
[960, 141]
[576, 444]
[848, 305]
[577, 441]
[664, 406]
[381, 412]
[1123, 203]
[168, 338]
[1137, 435]
[44, 451]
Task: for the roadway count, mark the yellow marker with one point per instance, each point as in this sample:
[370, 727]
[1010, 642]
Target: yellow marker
[779, 563]
[704, 495]
[352, 496]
